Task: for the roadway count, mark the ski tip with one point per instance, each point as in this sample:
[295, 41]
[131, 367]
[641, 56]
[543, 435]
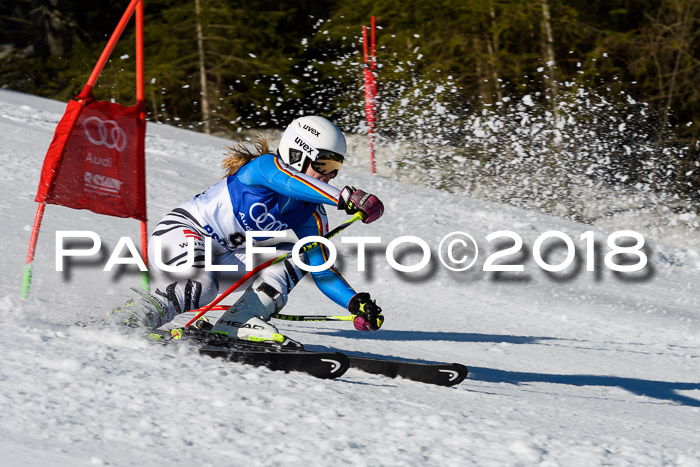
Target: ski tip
[454, 375]
[440, 374]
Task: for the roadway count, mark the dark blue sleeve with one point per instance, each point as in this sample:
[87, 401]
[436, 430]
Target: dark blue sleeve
[269, 171]
[329, 281]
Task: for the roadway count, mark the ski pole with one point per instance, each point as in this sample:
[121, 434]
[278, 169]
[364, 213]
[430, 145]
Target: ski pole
[242, 280]
[313, 317]
[287, 317]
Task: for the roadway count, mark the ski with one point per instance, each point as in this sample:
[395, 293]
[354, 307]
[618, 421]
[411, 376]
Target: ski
[441, 374]
[321, 364]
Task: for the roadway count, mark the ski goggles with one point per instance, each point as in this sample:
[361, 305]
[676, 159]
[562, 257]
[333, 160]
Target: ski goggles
[328, 163]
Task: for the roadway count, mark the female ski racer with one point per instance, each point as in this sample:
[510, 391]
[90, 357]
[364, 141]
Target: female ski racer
[262, 192]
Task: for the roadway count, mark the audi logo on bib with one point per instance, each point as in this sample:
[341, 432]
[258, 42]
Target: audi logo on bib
[104, 133]
[263, 219]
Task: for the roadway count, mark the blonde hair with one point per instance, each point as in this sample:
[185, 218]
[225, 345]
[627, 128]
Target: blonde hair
[240, 154]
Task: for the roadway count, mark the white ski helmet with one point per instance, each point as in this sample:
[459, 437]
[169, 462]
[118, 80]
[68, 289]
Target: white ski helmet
[307, 137]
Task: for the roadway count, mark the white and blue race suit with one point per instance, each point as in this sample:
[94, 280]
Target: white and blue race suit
[263, 195]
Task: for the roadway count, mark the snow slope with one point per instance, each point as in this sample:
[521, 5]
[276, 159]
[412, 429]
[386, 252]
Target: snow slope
[575, 368]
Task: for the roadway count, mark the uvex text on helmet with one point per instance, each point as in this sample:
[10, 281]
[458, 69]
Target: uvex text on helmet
[306, 136]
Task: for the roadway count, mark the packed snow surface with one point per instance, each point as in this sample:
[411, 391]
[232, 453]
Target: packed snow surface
[571, 368]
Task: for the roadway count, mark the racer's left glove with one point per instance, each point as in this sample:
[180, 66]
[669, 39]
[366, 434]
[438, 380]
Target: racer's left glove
[368, 315]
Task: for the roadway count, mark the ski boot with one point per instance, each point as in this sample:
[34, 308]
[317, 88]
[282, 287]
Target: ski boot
[201, 325]
[144, 311]
[248, 318]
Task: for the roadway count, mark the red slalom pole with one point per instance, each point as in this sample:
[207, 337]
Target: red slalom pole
[139, 54]
[370, 64]
[83, 97]
[108, 48]
[27, 279]
[374, 56]
[145, 283]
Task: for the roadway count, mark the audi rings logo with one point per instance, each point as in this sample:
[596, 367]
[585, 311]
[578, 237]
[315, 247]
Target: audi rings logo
[105, 133]
[263, 219]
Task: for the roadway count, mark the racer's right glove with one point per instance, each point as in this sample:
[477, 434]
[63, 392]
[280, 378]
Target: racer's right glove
[352, 200]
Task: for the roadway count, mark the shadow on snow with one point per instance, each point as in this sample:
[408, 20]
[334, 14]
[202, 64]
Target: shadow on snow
[662, 390]
[392, 335]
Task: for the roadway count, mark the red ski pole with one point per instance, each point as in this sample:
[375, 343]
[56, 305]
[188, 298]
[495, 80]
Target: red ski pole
[242, 280]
